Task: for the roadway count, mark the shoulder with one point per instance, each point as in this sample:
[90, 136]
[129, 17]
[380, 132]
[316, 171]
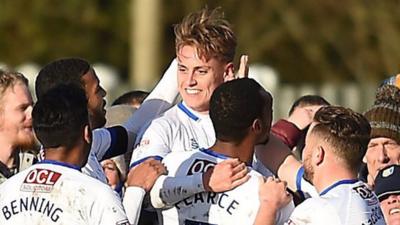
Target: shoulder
[189, 162]
[170, 117]
[315, 211]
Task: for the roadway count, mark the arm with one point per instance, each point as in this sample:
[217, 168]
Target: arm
[140, 180]
[117, 140]
[273, 196]
[277, 157]
[289, 130]
[225, 176]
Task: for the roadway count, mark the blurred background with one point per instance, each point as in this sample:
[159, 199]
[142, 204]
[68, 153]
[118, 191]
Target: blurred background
[338, 49]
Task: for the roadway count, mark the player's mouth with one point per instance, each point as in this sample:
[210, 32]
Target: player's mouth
[192, 91]
[394, 211]
[28, 129]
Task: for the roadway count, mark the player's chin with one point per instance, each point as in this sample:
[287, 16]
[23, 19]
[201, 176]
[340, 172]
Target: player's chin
[27, 141]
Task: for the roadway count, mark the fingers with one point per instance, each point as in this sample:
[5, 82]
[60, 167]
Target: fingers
[239, 171]
[240, 181]
[233, 162]
[238, 167]
[243, 67]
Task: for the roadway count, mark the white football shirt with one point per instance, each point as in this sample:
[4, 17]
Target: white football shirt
[237, 206]
[347, 202]
[53, 192]
[179, 129]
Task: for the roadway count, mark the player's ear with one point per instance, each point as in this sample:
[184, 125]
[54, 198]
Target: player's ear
[87, 134]
[365, 158]
[257, 126]
[229, 72]
[319, 155]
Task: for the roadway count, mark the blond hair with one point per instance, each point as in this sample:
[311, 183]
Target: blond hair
[9, 79]
[209, 33]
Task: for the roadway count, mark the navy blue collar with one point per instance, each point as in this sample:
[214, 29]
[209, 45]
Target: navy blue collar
[182, 107]
[340, 182]
[216, 154]
[47, 161]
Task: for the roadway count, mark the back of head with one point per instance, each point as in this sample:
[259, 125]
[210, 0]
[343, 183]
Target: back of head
[235, 105]
[308, 100]
[9, 79]
[131, 98]
[61, 71]
[209, 32]
[384, 115]
[60, 116]
[346, 131]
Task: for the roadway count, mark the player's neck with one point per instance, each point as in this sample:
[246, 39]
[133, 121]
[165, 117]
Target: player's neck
[322, 181]
[243, 151]
[62, 154]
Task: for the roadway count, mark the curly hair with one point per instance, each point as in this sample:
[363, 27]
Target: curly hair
[346, 131]
[209, 32]
[9, 79]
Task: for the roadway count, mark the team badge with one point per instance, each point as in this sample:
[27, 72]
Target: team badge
[387, 172]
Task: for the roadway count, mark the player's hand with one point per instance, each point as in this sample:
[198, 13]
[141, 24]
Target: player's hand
[145, 174]
[225, 176]
[303, 116]
[243, 67]
[273, 193]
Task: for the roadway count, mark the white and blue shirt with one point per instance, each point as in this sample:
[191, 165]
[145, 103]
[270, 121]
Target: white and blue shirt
[237, 206]
[346, 202]
[179, 129]
[52, 192]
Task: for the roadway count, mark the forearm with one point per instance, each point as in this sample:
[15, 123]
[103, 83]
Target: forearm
[169, 190]
[159, 100]
[287, 132]
[132, 203]
[266, 215]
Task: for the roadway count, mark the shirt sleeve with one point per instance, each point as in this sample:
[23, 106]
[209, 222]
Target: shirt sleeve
[287, 132]
[132, 203]
[155, 142]
[176, 186]
[159, 100]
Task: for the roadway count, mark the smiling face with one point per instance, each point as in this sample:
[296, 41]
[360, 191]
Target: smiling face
[391, 209]
[381, 152]
[198, 78]
[16, 116]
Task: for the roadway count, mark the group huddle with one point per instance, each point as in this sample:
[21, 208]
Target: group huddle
[212, 158]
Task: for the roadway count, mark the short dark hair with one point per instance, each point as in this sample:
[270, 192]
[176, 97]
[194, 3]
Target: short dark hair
[60, 116]
[131, 97]
[234, 106]
[308, 100]
[61, 71]
[346, 131]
